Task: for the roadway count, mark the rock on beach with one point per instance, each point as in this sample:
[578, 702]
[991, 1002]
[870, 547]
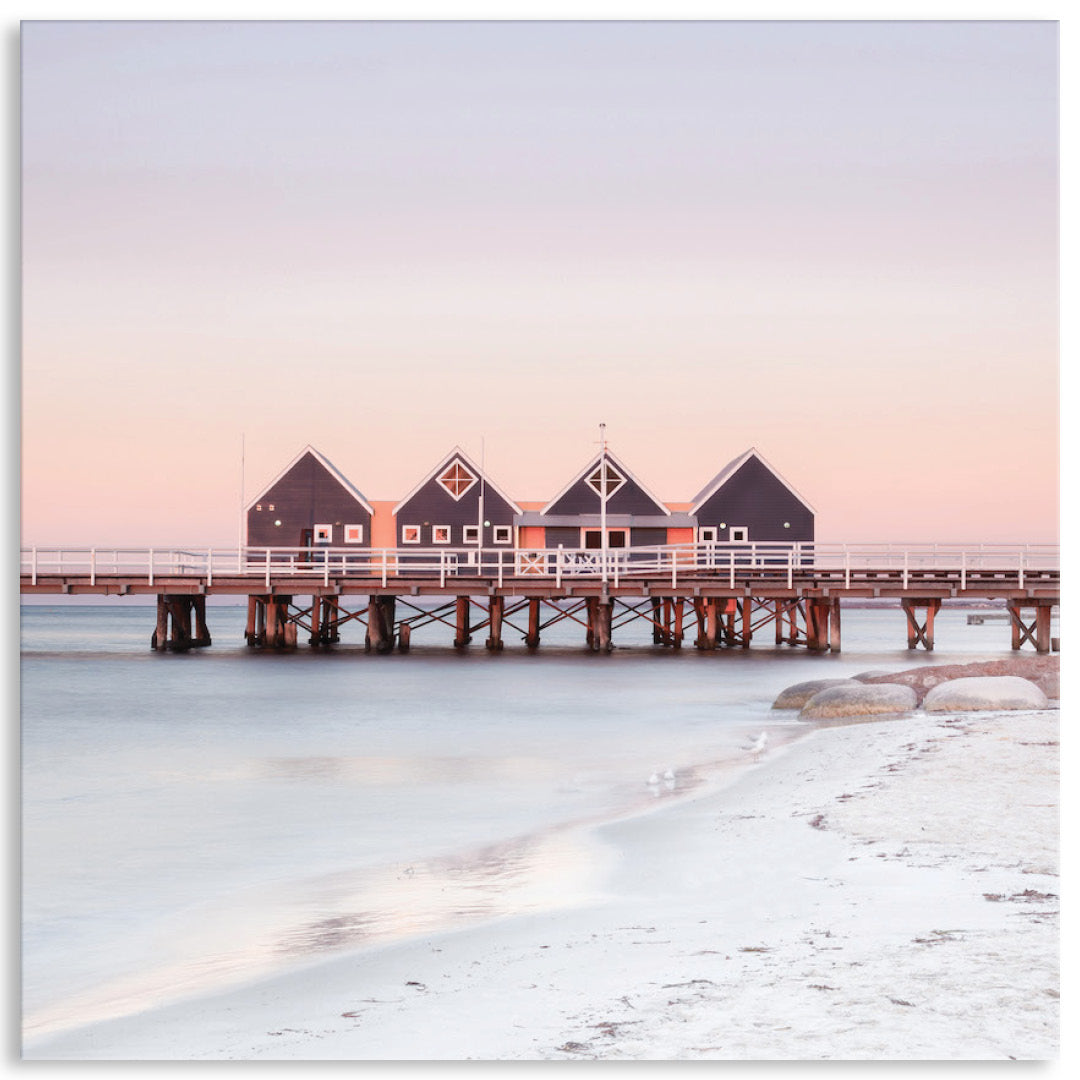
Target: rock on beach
[795, 697]
[1043, 671]
[985, 692]
[858, 699]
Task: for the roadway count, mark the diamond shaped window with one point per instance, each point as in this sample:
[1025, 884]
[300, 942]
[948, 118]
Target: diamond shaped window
[457, 480]
[613, 480]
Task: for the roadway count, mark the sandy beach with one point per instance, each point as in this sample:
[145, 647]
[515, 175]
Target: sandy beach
[873, 891]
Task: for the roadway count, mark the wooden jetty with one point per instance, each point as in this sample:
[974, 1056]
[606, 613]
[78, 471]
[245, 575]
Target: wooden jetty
[717, 595]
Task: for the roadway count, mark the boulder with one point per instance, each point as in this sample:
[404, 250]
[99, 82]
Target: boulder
[795, 697]
[985, 692]
[866, 676]
[1041, 670]
[858, 699]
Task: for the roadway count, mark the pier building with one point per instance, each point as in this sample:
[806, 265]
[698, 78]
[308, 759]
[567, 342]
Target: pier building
[310, 504]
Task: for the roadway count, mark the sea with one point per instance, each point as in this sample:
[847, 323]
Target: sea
[197, 821]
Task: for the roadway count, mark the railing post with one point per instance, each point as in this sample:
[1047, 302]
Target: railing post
[499, 555]
[963, 570]
[442, 569]
[209, 567]
[674, 567]
[615, 566]
[905, 568]
[790, 566]
[93, 566]
[151, 575]
[326, 568]
[558, 568]
[731, 567]
[384, 567]
[847, 568]
[1021, 574]
[268, 569]
[33, 565]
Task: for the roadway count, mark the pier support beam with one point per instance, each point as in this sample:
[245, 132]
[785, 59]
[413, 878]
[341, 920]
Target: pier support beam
[920, 633]
[598, 624]
[1037, 632]
[462, 637]
[404, 637]
[380, 627]
[532, 637]
[173, 627]
[817, 624]
[657, 621]
[705, 610]
[834, 626]
[495, 617]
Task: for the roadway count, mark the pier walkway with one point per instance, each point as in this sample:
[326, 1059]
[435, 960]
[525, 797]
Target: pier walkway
[722, 593]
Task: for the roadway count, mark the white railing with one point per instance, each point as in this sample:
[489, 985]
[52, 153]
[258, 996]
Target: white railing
[730, 562]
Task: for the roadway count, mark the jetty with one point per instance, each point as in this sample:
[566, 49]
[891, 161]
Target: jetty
[718, 595]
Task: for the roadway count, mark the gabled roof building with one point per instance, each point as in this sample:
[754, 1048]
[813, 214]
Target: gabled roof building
[308, 504]
[748, 500]
[456, 505]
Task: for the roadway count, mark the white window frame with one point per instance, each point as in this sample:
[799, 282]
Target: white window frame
[707, 534]
[322, 534]
[406, 530]
[612, 473]
[624, 529]
[436, 529]
[470, 534]
[502, 534]
[743, 530]
[357, 532]
[465, 491]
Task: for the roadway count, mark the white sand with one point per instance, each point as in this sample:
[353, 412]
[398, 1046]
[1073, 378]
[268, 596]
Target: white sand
[885, 890]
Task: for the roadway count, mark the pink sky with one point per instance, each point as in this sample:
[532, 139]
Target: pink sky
[836, 242]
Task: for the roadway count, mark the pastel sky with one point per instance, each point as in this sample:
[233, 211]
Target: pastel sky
[836, 242]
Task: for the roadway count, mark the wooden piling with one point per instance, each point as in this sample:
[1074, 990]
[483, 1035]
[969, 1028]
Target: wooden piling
[532, 638]
[495, 615]
[834, 626]
[677, 623]
[201, 637]
[602, 625]
[316, 616]
[404, 637]
[657, 631]
[747, 616]
[1042, 628]
[380, 628]
[462, 637]
[160, 638]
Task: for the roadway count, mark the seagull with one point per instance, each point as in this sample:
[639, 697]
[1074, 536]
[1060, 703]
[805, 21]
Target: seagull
[759, 743]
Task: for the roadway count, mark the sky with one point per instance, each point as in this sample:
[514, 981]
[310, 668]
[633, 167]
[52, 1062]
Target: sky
[834, 241]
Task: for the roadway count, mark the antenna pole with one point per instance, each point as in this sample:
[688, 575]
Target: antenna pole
[241, 530]
[603, 505]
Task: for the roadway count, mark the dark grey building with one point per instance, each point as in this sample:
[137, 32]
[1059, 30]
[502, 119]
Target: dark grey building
[309, 504]
[456, 505]
[634, 517]
[748, 500]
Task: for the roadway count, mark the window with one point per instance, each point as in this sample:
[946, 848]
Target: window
[324, 534]
[501, 534]
[470, 534]
[354, 534]
[739, 532]
[440, 534]
[707, 535]
[606, 475]
[457, 480]
[410, 534]
[591, 538]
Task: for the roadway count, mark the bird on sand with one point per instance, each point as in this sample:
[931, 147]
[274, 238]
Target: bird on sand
[759, 743]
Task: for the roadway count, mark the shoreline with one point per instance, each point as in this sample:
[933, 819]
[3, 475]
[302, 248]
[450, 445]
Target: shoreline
[830, 902]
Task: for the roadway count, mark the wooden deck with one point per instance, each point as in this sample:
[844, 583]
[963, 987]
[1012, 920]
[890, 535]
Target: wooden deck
[721, 593]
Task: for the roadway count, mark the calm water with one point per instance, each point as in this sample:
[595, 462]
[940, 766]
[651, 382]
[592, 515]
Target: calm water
[197, 820]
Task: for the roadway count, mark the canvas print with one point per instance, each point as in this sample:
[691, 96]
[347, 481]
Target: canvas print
[539, 540]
